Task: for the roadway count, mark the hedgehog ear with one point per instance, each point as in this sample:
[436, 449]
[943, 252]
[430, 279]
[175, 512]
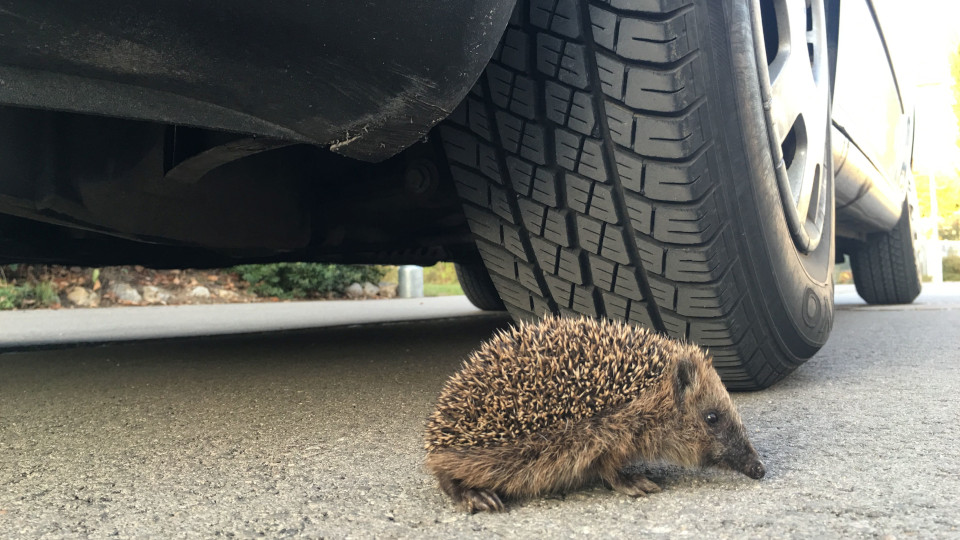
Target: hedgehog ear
[686, 378]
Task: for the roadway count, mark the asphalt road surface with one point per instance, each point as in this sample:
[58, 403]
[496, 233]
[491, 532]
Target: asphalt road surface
[316, 432]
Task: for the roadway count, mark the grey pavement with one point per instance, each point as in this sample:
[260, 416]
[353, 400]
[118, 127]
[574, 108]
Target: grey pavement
[316, 433]
[40, 328]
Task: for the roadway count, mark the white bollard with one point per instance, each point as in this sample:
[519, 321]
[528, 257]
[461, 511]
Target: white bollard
[411, 281]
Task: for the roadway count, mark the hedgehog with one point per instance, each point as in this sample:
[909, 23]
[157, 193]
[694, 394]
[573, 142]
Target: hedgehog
[550, 406]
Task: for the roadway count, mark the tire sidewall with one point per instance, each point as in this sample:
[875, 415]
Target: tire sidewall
[792, 290]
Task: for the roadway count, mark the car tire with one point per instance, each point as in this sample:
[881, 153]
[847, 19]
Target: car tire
[628, 159]
[885, 267]
[478, 287]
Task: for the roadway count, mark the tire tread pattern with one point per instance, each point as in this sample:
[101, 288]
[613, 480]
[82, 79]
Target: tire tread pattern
[604, 202]
[885, 267]
[475, 281]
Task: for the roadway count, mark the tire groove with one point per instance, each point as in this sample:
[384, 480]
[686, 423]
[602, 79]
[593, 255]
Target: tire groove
[512, 200]
[609, 152]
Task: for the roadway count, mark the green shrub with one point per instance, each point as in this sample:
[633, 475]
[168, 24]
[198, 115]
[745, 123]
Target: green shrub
[951, 268]
[305, 280]
[44, 293]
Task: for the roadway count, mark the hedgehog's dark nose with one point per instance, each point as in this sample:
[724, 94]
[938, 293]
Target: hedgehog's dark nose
[755, 471]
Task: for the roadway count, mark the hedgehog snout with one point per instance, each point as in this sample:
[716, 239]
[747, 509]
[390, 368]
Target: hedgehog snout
[755, 470]
[748, 462]
[737, 454]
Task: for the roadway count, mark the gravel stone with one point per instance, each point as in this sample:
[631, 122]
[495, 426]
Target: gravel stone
[124, 292]
[354, 291]
[200, 292]
[83, 297]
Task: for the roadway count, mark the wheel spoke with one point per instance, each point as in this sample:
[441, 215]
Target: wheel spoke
[798, 112]
[803, 174]
[792, 86]
[796, 14]
[791, 77]
[814, 108]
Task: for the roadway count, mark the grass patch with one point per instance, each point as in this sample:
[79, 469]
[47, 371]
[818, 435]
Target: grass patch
[442, 273]
[42, 294]
[442, 289]
[951, 268]
[438, 280]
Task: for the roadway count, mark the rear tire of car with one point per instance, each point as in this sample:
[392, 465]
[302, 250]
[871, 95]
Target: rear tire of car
[885, 268]
[617, 160]
[478, 287]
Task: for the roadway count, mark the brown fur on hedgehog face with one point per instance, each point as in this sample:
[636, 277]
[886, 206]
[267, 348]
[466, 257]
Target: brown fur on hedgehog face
[708, 430]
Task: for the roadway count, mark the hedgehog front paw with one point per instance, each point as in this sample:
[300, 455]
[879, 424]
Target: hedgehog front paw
[471, 499]
[481, 500]
[633, 484]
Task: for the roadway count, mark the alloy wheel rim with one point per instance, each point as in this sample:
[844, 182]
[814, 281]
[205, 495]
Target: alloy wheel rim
[790, 42]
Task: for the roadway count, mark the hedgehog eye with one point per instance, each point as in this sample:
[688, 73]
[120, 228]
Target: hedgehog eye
[712, 418]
